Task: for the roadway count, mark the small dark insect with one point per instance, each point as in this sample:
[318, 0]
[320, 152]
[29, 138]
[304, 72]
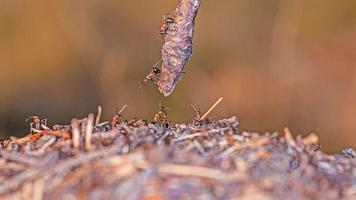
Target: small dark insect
[152, 76]
[165, 26]
[161, 116]
[349, 152]
[155, 70]
[197, 117]
[115, 120]
[105, 126]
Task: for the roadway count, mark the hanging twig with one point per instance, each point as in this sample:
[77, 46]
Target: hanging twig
[178, 44]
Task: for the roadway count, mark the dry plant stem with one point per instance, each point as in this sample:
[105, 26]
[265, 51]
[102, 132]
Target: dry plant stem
[19, 179]
[33, 137]
[33, 130]
[38, 186]
[22, 140]
[85, 158]
[178, 45]
[18, 157]
[289, 137]
[98, 116]
[89, 132]
[195, 171]
[191, 136]
[212, 108]
[43, 148]
[238, 146]
[310, 139]
[122, 109]
[61, 168]
[75, 133]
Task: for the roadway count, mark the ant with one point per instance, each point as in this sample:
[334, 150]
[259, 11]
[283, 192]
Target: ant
[153, 76]
[36, 123]
[165, 26]
[161, 116]
[197, 113]
[115, 120]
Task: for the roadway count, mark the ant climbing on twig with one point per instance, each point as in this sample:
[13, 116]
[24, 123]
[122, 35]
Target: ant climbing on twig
[115, 120]
[167, 21]
[153, 76]
[161, 116]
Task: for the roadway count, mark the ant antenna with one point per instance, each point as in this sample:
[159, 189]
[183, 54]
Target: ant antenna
[157, 63]
[30, 117]
[194, 108]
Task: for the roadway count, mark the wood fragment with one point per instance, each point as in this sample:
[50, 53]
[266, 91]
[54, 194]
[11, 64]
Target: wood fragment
[60, 134]
[98, 116]
[191, 136]
[26, 190]
[238, 146]
[289, 138]
[62, 168]
[195, 171]
[178, 45]
[42, 149]
[38, 186]
[212, 108]
[19, 158]
[199, 147]
[89, 132]
[311, 139]
[75, 133]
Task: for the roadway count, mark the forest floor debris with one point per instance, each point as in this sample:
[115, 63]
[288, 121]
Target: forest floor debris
[137, 159]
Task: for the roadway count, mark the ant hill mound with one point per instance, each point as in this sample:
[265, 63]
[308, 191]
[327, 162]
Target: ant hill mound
[137, 159]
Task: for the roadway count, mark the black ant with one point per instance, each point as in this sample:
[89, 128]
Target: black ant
[115, 120]
[161, 116]
[165, 26]
[197, 116]
[197, 121]
[153, 76]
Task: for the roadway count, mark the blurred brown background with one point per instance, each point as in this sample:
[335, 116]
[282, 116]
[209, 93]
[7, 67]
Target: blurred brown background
[276, 63]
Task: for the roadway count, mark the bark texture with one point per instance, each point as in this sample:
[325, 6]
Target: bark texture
[178, 45]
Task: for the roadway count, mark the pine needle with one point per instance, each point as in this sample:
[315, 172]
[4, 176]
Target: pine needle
[212, 108]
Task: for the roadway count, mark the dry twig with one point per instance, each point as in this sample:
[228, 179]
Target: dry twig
[98, 116]
[211, 108]
[75, 133]
[89, 132]
[178, 44]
